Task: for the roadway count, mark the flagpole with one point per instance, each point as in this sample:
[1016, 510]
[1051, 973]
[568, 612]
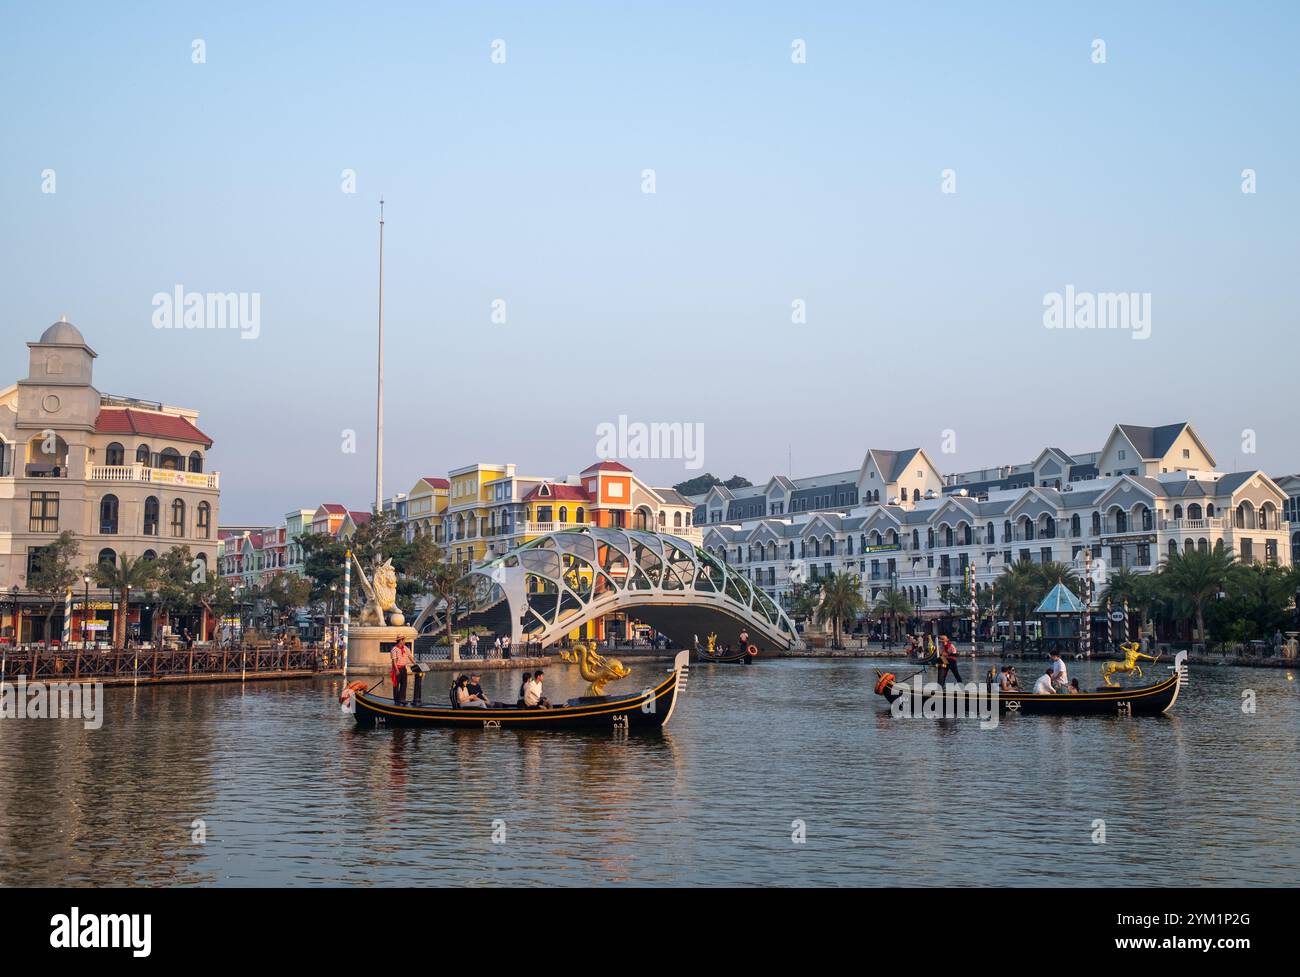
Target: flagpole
[379, 405]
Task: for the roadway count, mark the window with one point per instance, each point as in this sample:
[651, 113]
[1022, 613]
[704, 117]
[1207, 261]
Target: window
[107, 557]
[142, 455]
[115, 455]
[196, 462]
[108, 515]
[151, 516]
[204, 520]
[178, 517]
[44, 513]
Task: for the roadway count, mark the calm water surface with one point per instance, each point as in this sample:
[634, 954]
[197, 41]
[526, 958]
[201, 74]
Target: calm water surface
[293, 794]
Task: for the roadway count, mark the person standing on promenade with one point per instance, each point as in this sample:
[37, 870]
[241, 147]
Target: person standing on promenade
[402, 659]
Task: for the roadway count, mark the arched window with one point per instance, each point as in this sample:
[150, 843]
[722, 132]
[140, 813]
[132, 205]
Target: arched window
[1096, 524]
[564, 514]
[178, 517]
[107, 556]
[1178, 512]
[916, 495]
[677, 520]
[947, 535]
[929, 538]
[170, 459]
[203, 520]
[579, 515]
[142, 455]
[108, 515]
[151, 514]
[1075, 527]
[115, 455]
[149, 555]
[196, 462]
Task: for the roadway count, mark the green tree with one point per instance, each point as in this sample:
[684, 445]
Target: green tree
[1196, 576]
[893, 605]
[120, 578]
[425, 565]
[323, 561]
[54, 573]
[841, 599]
[1018, 591]
[1127, 587]
[802, 600]
[285, 593]
[173, 586]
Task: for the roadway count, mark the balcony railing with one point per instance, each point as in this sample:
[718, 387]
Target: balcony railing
[155, 476]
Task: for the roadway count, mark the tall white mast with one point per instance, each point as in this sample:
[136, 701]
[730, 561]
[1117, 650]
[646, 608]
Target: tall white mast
[379, 406]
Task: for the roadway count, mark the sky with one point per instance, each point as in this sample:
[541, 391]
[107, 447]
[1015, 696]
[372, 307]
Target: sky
[511, 143]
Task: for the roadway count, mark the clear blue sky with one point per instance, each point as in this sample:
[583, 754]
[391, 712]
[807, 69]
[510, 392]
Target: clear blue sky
[775, 181]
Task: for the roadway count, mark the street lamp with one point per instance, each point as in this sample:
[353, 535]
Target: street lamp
[85, 615]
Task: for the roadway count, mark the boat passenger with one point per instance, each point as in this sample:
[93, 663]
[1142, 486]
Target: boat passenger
[476, 689]
[1060, 678]
[463, 698]
[1044, 684]
[533, 698]
[1074, 686]
[991, 679]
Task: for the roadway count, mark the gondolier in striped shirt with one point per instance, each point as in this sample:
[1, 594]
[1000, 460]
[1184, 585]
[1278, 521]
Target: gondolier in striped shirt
[948, 661]
[402, 660]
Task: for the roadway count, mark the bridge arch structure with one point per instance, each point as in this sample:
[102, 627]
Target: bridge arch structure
[555, 584]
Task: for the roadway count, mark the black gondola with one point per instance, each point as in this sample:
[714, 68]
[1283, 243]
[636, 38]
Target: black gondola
[650, 708]
[1147, 700]
[745, 656]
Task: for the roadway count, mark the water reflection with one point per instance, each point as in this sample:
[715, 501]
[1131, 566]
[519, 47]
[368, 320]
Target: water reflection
[293, 794]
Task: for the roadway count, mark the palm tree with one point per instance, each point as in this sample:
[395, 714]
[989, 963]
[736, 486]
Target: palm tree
[1196, 576]
[121, 578]
[1126, 587]
[1020, 588]
[1052, 572]
[893, 604]
[841, 599]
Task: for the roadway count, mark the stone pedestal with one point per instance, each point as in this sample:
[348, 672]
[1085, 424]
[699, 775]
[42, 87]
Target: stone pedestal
[369, 647]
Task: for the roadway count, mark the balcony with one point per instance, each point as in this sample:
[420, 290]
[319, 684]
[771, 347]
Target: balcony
[154, 476]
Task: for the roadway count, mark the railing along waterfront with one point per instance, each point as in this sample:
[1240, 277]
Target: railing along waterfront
[73, 664]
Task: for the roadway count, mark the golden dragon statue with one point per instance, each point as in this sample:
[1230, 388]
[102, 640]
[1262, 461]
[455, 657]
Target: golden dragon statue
[596, 669]
[1129, 665]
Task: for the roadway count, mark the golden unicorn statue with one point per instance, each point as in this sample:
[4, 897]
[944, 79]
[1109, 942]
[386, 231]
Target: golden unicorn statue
[596, 669]
[1129, 665]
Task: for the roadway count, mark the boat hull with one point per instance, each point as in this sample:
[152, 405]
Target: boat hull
[737, 658]
[650, 708]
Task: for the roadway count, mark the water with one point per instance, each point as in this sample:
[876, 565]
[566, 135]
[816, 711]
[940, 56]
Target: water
[291, 793]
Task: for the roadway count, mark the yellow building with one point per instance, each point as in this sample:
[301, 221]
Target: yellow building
[469, 501]
[426, 508]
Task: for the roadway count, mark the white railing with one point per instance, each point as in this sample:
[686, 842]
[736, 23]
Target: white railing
[155, 476]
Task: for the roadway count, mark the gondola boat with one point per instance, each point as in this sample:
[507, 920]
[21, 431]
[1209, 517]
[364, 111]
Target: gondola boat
[1147, 700]
[745, 656]
[650, 708]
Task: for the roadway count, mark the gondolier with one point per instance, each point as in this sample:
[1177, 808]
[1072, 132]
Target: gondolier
[947, 660]
[402, 660]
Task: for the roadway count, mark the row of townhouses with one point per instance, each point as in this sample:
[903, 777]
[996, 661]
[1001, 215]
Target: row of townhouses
[898, 521]
[477, 512]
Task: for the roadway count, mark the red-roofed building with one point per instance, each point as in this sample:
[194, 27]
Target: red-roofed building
[128, 477]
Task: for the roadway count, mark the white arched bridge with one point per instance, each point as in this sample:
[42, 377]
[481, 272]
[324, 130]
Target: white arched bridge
[555, 584]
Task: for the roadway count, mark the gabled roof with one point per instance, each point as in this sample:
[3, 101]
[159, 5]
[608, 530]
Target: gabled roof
[606, 466]
[1060, 600]
[334, 509]
[1152, 442]
[143, 423]
[360, 518]
[671, 496]
[558, 491]
[434, 482]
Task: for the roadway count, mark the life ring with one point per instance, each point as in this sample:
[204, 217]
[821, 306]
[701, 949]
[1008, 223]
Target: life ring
[352, 689]
[752, 651]
[885, 682]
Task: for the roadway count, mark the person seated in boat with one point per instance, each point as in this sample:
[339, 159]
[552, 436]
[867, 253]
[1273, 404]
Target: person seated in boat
[476, 689]
[991, 679]
[463, 698]
[1074, 686]
[533, 698]
[1044, 684]
[1060, 678]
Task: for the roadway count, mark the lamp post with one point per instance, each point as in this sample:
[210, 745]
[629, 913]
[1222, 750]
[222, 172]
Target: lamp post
[329, 620]
[17, 626]
[85, 615]
[126, 615]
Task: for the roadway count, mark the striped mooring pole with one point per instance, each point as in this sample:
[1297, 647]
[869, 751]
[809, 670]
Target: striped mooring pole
[67, 618]
[347, 608]
[1087, 602]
